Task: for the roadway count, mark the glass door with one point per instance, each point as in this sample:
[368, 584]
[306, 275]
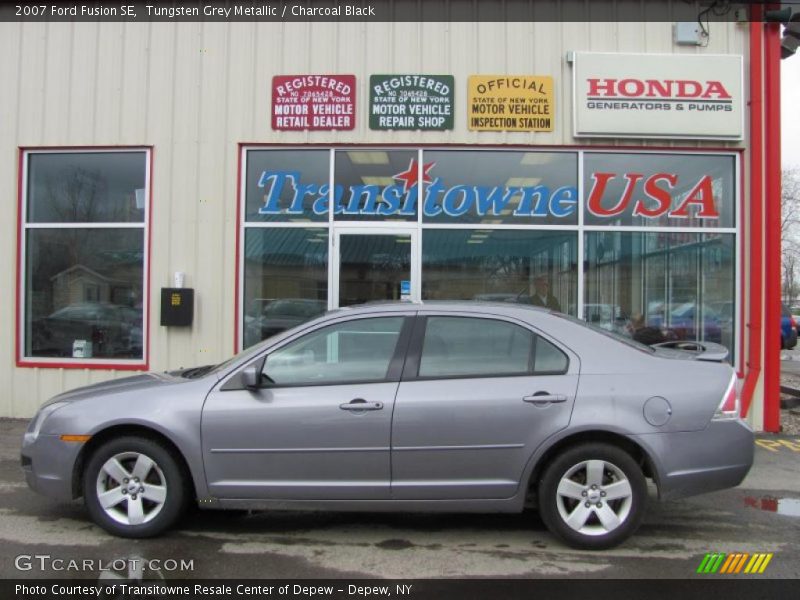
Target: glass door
[374, 264]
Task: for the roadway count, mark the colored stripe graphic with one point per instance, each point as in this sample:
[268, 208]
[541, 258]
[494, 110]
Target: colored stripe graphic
[711, 562]
[758, 563]
[722, 563]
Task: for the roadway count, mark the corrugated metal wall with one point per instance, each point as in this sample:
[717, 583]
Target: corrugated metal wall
[194, 91]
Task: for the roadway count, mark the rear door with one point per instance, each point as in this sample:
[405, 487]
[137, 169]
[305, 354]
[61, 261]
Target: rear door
[479, 394]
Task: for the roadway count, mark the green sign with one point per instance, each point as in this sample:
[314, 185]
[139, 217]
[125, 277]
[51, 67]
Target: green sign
[411, 102]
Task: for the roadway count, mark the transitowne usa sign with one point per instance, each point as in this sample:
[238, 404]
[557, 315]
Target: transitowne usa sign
[658, 95]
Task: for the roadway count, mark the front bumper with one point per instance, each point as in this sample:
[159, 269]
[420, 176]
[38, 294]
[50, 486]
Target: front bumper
[48, 464]
[697, 462]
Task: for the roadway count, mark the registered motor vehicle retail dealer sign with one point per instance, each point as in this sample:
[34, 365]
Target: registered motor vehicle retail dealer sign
[658, 96]
[411, 102]
[510, 103]
[313, 102]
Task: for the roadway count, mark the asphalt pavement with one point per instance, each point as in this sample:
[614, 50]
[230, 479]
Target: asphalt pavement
[760, 516]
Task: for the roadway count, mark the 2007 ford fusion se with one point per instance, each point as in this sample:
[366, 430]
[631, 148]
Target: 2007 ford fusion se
[457, 407]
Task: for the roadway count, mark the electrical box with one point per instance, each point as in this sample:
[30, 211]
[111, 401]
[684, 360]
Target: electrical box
[688, 33]
[177, 307]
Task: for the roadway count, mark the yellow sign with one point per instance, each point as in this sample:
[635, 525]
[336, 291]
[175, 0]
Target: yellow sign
[510, 103]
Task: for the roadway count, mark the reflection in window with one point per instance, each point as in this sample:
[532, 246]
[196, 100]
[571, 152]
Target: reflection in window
[285, 279]
[83, 293]
[529, 267]
[373, 267]
[287, 185]
[657, 287]
[86, 187]
[659, 190]
[491, 187]
[353, 351]
[376, 185]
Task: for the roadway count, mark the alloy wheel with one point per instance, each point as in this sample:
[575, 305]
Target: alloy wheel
[594, 497]
[131, 488]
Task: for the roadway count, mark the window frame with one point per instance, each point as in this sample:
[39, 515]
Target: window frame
[24, 225]
[393, 371]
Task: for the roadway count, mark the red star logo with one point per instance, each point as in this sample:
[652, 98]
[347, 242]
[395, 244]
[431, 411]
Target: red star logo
[410, 177]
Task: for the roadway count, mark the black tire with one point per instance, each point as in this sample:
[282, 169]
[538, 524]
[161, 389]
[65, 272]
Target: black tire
[164, 479]
[572, 467]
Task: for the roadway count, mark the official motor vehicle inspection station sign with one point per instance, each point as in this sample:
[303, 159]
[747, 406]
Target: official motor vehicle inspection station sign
[313, 102]
[411, 102]
[510, 103]
[658, 96]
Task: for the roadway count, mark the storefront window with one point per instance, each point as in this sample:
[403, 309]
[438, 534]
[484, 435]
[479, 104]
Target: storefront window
[285, 279]
[375, 185]
[658, 287]
[287, 185]
[496, 224]
[529, 267]
[659, 190]
[84, 253]
[493, 187]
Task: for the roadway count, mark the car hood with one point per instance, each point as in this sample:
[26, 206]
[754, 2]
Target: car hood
[136, 383]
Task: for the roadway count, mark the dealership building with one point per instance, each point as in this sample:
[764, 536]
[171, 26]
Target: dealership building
[184, 187]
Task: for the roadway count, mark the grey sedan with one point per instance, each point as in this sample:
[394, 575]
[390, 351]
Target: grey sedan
[458, 407]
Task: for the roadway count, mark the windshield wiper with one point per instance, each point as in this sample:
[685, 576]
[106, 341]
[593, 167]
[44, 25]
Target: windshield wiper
[196, 371]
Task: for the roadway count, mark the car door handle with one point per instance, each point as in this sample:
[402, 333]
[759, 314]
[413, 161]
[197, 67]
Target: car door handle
[545, 398]
[361, 404]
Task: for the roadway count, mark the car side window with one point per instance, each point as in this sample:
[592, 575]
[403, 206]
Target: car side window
[466, 346]
[359, 350]
[548, 358]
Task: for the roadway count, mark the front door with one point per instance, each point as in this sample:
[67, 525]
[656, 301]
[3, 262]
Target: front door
[320, 429]
[374, 265]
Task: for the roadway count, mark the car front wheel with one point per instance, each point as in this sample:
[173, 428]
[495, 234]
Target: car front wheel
[133, 487]
[593, 496]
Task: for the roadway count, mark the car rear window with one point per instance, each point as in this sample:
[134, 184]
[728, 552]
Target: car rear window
[479, 347]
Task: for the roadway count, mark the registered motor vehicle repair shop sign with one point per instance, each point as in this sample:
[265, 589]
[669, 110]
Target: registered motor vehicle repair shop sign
[411, 102]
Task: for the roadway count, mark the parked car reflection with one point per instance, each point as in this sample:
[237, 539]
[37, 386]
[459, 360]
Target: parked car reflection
[788, 329]
[110, 330]
[684, 321]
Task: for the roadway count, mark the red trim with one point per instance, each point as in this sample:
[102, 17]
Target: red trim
[91, 366]
[148, 280]
[529, 147]
[756, 224]
[772, 209]
[35, 362]
[18, 312]
[236, 307]
[740, 324]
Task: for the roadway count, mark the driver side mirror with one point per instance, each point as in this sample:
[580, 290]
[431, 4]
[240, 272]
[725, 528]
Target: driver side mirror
[251, 376]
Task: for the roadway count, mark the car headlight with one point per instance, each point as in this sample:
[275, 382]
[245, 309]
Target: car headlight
[37, 421]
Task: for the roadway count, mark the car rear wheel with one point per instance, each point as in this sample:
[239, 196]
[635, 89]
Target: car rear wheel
[133, 487]
[592, 496]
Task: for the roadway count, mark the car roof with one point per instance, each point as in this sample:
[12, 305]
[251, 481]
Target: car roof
[477, 306]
